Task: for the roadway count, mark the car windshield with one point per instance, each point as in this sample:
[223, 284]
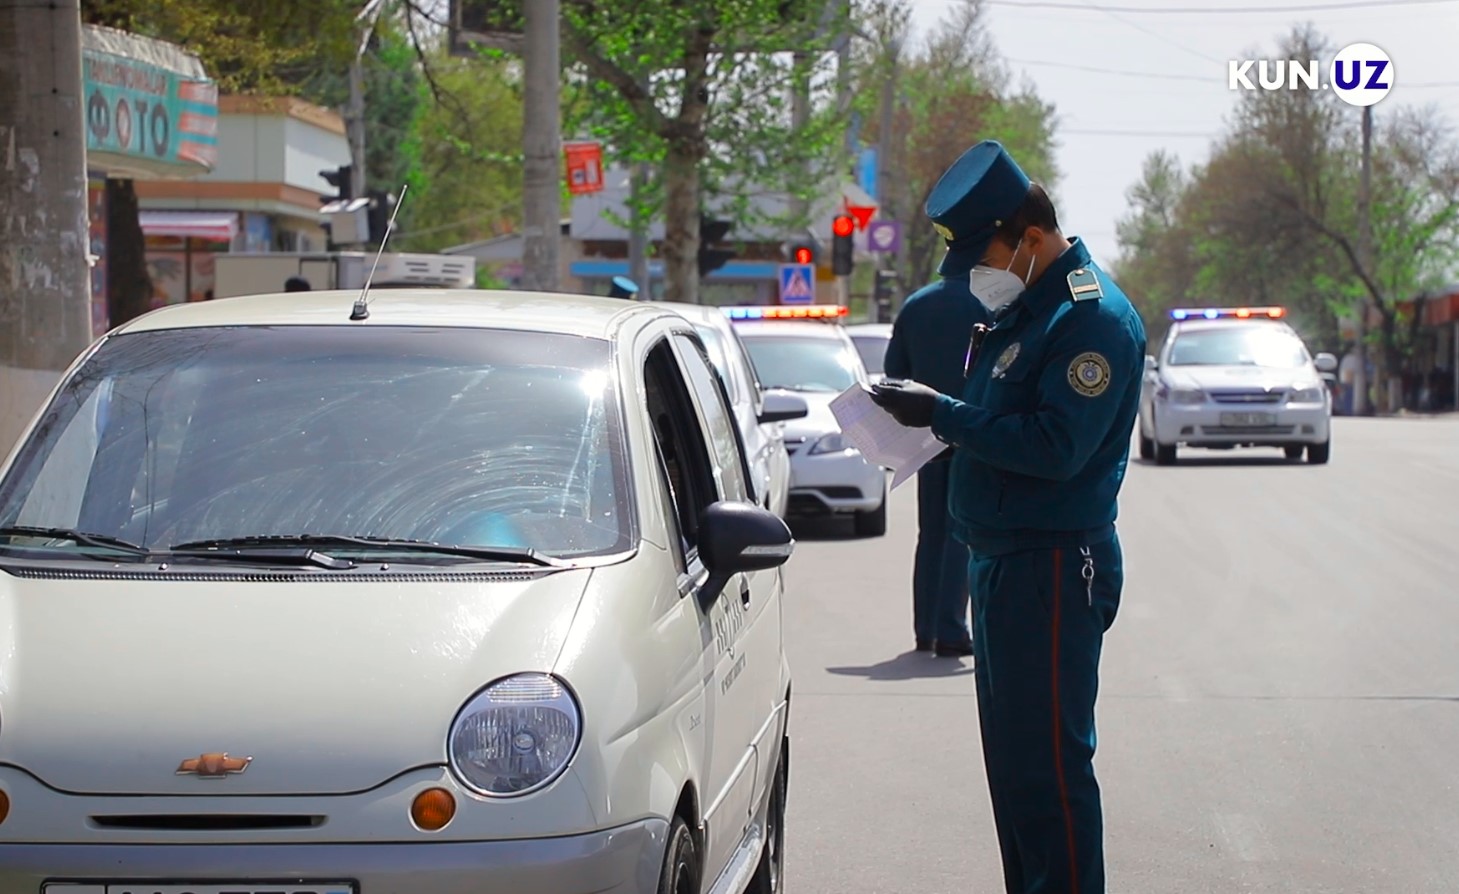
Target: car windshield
[1238, 346]
[453, 436]
[873, 351]
[802, 364]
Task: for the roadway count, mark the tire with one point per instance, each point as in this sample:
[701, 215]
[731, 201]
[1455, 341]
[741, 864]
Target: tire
[767, 878]
[1294, 451]
[1164, 454]
[1147, 448]
[873, 523]
[682, 872]
[1318, 454]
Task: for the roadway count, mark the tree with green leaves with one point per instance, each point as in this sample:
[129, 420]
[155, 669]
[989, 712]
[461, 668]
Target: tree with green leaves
[1273, 218]
[701, 90]
[954, 92]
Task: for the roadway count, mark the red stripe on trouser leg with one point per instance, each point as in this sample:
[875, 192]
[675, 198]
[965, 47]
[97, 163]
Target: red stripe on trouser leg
[1058, 726]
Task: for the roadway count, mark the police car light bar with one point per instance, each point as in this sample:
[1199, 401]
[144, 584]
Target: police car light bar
[1215, 313]
[778, 312]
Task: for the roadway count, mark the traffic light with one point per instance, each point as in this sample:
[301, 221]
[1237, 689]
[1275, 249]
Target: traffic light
[340, 178]
[382, 205]
[841, 229]
[801, 253]
[712, 231]
[882, 295]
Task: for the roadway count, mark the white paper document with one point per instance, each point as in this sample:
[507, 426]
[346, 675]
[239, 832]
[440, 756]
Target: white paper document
[880, 438]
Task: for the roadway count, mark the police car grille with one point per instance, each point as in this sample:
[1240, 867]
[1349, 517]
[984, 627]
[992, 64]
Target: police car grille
[1246, 397]
[1232, 430]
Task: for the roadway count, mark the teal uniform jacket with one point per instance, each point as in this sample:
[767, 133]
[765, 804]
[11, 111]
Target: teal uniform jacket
[1043, 427]
[930, 335]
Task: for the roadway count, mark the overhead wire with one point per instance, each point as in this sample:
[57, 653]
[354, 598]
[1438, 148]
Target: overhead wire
[1214, 10]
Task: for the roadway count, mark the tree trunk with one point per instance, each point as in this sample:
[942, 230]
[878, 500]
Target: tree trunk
[128, 285]
[681, 224]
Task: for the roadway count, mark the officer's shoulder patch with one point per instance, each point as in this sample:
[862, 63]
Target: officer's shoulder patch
[1084, 285]
[1089, 374]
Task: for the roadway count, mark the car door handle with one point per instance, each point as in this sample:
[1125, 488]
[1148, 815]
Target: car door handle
[745, 594]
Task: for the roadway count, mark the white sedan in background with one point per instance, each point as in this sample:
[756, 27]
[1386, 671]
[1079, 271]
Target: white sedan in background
[871, 340]
[816, 360]
[761, 416]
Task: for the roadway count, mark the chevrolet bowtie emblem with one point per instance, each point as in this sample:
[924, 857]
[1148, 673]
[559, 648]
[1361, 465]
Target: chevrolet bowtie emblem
[213, 766]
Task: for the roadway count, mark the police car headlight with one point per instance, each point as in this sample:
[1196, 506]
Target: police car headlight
[1310, 394]
[835, 442]
[1187, 396]
[515, 736]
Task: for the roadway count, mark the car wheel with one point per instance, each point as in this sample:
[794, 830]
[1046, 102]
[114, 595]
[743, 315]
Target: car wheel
[1294, 451]
[873, 523]
[681, 873]
[1164, 454]
[1147, 448]
[772, 859]
[1317, 454]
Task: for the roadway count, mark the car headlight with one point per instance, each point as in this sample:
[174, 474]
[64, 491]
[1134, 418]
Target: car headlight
[1310, 394]
[1185, 395]
[835, 442]
[516, 735]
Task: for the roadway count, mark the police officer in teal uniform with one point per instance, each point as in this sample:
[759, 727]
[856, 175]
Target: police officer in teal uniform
[928, 344]
[1041, 437]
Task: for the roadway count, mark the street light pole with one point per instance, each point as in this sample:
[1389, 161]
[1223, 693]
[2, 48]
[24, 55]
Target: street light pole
[1365, 252]
[542, 145]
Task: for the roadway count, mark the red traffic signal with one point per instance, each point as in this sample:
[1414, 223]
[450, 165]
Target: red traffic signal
[804, 255]
[843, 225]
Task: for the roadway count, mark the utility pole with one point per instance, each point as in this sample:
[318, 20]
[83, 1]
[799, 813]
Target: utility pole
[1365, 253]
[542, 148]
[886, 194]
[355, 124]
[45, 300]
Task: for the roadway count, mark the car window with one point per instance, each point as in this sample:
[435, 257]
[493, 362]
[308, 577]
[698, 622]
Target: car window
[731, 473]
[803, 363]
[719, 355]
[873, 351]
[1238, 346]
[685, 462]
[459, 436]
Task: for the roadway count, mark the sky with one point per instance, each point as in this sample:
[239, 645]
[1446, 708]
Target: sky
[1172, 90]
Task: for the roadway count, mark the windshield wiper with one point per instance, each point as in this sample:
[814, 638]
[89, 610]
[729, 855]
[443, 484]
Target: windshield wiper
[377, 544]
[79, 537]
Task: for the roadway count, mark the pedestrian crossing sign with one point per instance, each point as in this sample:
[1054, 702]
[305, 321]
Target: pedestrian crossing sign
[797, 284]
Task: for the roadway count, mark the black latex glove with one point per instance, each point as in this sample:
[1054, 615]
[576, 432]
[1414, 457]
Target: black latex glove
[910, 403]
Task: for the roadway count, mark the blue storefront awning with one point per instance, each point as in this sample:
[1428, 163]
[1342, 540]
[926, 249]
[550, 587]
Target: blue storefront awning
[734, 270]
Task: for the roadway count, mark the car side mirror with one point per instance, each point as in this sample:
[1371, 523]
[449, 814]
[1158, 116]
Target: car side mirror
[1150, 363]
[1325, 362]
[737, 538]
[780, 407]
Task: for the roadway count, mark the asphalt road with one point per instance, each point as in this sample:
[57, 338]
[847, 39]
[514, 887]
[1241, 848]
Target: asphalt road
[1280, 692]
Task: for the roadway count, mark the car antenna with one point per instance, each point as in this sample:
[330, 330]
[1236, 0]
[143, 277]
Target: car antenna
[361, 310]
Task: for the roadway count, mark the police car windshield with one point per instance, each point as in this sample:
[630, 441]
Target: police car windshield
[802, 364]
[456, 436]
[1246, 345]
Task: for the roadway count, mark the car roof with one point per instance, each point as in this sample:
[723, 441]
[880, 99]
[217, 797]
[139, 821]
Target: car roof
[564, 313]
[881, 329]
[802, 328]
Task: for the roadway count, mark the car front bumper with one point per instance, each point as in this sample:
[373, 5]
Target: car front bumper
[624, 860]
[827, 483]
[1218, 425]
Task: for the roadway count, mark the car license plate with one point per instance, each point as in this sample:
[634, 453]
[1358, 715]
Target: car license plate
[200, 888]
[1247, 420]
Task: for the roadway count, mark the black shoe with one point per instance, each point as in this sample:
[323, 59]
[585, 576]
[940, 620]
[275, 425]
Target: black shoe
[926, 645]
[953, 650]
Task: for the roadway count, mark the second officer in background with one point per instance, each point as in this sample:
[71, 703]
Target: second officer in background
[929, 345]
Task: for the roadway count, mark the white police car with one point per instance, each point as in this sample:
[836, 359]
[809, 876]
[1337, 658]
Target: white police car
[1235, 377]
[804, 350]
